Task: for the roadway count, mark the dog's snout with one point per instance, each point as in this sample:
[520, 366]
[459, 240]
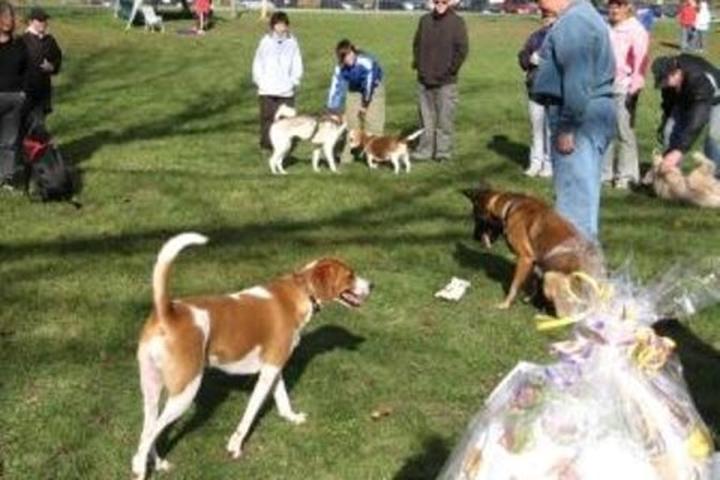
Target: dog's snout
[371, 285]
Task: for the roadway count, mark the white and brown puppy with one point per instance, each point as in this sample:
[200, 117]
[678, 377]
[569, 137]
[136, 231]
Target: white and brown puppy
[699, 187]
[383, 148]
[253, 331]
[323, 132]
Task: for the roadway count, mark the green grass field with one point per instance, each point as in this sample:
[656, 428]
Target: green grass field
[164, 130]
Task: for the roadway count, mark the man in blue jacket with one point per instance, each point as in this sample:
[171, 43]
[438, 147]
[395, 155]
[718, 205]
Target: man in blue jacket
[575, 78]
[358, 76]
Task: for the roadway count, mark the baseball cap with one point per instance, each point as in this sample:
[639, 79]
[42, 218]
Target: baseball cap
[661, 67]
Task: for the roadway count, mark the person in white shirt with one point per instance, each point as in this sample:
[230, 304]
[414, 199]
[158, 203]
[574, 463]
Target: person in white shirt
[702, 25]
[277, 70]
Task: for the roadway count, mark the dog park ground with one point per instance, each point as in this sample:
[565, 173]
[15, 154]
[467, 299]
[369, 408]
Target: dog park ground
[164, 130]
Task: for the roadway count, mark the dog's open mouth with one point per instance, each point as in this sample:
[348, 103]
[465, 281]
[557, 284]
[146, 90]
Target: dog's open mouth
[350, 299]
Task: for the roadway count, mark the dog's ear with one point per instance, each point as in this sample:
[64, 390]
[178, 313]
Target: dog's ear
[471, 193]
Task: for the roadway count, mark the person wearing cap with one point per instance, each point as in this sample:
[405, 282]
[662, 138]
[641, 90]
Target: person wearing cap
[13, 67]
[575, 78]
[45, 58]
[630, 43]
[440, 47]
[277, 70]
[358, 77]
[529, 59]
[690, 89]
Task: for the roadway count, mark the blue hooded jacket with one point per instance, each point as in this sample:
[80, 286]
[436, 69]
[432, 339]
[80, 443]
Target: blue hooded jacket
[363, 76]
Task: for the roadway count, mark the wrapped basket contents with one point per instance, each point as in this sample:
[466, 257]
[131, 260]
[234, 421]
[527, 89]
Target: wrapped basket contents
[614, 406]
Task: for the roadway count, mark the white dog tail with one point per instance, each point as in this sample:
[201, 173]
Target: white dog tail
[414, 135]
[284, 111]
[161, 272]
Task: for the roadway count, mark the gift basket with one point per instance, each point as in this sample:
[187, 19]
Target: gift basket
[614, 406]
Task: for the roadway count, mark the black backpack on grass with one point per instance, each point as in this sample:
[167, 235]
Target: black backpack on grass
[48, 176]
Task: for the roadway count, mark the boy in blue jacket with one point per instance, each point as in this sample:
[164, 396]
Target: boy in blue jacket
[357, 83]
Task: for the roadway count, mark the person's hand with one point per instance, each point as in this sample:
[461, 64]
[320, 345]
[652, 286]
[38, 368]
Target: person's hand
[535, 58]
[566, 143]
[671, 160]
[46, 66]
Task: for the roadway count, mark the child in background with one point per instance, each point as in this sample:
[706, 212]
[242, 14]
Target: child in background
[277, 70]
[202, 13]
[687, 14]
[529, 59]
[702, 25]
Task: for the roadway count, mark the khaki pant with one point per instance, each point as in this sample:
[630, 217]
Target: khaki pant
[626, 169]
[437, 114]
[374, 116]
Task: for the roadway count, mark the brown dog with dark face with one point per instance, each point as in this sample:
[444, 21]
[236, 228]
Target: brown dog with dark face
[538, 236]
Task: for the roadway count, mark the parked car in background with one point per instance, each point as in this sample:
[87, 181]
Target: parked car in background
[255, 4]
[523, 7]
[401, 4]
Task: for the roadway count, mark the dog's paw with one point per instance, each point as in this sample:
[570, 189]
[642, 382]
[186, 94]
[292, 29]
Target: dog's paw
[234, 446]
[162, 465]
[295, 418]
[139, 464]
[503, 306]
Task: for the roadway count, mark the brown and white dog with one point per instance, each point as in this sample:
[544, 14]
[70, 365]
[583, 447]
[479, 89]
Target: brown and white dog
[539, 237]
[323, 132]
[699, 187]
[383, 148]
[248, 332]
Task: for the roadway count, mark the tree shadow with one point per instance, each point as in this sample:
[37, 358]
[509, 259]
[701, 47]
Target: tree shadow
[701, 364]
[217, 386]
[502, 145]
[427, 463]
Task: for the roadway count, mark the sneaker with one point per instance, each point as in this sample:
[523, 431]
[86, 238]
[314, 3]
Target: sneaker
[545, 171]
[622, 184]
[532, 171]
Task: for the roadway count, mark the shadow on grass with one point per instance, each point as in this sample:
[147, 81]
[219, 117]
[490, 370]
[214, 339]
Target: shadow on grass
[427, 463]
[700, 362]
[217, 386]
[502, 145]
[672, 45]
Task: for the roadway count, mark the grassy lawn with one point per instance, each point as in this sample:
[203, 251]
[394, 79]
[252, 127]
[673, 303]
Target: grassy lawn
[164, 129]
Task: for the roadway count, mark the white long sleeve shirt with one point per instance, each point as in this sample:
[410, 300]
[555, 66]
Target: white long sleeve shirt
[277, 67]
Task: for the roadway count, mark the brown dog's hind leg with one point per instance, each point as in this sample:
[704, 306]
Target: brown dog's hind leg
[522, 270]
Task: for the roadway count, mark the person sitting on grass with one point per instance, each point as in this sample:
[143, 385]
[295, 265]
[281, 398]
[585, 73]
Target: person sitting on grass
[358, 76]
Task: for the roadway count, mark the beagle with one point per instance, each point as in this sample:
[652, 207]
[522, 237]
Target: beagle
[253, 331]
[383, 148]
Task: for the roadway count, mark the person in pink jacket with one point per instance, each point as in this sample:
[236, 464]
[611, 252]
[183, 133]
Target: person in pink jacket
[630, 44]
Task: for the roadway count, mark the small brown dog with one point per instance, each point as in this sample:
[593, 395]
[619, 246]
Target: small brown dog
[699, 187]
[383, 148]
[539, 237]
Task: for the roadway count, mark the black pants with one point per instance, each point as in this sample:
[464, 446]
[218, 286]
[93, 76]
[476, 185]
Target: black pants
[268, 107]
[11, 106]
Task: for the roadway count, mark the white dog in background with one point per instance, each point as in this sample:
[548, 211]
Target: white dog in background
[323, 132]
[699, 187]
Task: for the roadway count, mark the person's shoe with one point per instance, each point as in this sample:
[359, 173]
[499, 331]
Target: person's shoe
[545, 171]
[533, 170]
[622, 184]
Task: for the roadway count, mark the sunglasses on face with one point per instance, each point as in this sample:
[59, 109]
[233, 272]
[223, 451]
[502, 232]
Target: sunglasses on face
[440, 2]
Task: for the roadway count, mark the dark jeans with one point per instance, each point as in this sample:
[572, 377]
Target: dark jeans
[11, 105]
[268, 107]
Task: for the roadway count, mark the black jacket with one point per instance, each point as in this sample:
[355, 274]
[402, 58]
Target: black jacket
[13, 65]
[439, 48]
[699, 92]
[37, 82]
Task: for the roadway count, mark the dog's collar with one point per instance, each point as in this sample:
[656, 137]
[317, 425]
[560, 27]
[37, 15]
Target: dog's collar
[505, 212]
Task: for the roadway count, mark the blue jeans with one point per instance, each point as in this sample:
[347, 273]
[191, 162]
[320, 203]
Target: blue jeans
[677, 122]
[576, 176]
